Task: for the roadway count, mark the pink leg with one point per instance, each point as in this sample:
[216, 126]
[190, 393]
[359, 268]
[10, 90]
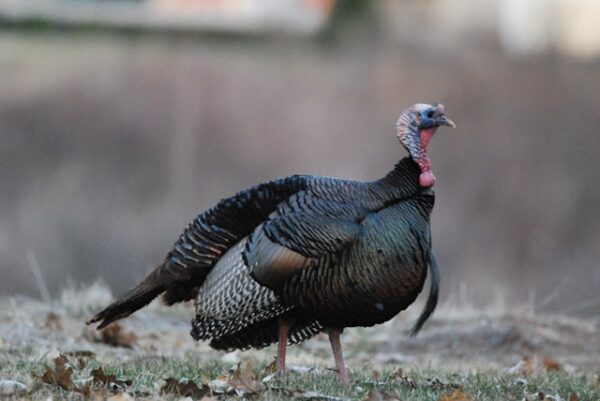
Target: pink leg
[284, 330]
[336, 347]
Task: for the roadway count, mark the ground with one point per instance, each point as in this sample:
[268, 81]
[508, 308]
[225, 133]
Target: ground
[461, 354]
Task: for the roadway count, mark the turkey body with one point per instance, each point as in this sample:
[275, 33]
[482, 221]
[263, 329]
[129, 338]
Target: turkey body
[376, 276]
[318, 252]
[353, 254]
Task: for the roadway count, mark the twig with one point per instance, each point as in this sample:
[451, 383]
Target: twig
[39, 277]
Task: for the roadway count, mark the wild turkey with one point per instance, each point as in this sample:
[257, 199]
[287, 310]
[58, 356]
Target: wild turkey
[287, 259]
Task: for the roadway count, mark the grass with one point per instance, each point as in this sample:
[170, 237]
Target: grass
[470, 351]
[149, 374]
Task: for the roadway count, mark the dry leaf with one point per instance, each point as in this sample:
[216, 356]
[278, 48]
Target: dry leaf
[114, 335]
[404, 379]
[94, 393]
[270, 368]
[219, 385]
[109, 381]
[573, 397]
[457, 395]
[526, 366]
[82, 357]
[61, 375]
[529, 364]
[184, 389]
[243, 380]
[53, 322]
[552, 365]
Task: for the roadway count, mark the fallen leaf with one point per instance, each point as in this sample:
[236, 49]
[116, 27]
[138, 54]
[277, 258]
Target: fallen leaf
[457, 395]
[184, 388]
[109, 381]
[573, 397]
[82, 357]
[243, 380]
[525, 366]
[53, 322]
[552, 365]
[114, 335]
[61, 375]
[219, 385]
[401, 376]
[270, 368]
[91, 392]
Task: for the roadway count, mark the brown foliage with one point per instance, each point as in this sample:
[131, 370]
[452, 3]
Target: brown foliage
[117, 337]
[109, 381]
[457, 395]
[242, 379]
[61, 375]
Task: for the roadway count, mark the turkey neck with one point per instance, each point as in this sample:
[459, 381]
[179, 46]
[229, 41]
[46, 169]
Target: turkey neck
[399, 184]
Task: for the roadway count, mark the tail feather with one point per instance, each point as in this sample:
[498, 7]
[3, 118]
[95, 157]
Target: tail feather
[129, 302]
[433, 296]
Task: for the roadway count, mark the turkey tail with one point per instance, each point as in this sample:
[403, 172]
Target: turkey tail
[433, 296]
[129, 302]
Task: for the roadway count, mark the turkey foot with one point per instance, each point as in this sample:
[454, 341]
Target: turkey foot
[284, 331]
[336, 347]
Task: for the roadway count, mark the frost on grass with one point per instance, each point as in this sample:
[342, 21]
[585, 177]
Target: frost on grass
[151, 353]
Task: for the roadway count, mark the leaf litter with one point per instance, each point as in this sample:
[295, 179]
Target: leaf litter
[240, 381]
[184, 388]
[99, 385]
[577, 350]
[115, 335]
[457, 395]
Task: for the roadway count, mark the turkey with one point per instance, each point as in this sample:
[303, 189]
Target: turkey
[287, 259]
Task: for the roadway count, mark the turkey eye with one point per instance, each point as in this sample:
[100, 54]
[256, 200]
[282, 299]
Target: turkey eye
[429, 114]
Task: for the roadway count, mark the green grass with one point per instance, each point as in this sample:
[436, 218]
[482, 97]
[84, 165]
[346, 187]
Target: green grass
[149, 376]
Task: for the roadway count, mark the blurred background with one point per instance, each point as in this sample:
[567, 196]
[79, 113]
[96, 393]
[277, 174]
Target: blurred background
[120, 121]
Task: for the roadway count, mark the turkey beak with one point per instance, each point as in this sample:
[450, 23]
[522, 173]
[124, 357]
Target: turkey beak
[443, 120]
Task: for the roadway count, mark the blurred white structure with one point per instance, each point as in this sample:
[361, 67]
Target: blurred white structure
[241, 16]
[523, 27]
[536, 26]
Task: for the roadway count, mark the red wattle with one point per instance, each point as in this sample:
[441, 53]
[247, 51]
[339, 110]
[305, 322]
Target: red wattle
[426, 179]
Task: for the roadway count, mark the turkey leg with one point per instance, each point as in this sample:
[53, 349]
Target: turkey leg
[336, 347]
[284, 330]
